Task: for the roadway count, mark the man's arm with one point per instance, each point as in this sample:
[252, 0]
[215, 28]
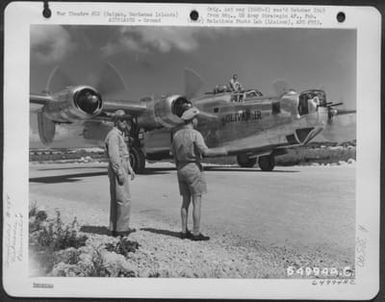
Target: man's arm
[173, 153]
[206, 151]
[130, 169]
[231, 85]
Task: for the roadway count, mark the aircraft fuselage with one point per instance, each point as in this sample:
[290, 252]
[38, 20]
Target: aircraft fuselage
[253, 124]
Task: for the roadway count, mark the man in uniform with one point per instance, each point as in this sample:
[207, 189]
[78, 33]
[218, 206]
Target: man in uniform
[188, 146]
[119, 169]
[234, 84]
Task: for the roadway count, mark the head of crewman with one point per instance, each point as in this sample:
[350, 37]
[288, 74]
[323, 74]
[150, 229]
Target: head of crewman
[121, 120]
[190, 116]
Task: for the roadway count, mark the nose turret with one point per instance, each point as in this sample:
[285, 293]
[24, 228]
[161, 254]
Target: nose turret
[310, 101]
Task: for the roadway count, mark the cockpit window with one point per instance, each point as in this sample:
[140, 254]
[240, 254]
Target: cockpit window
[276, 107]
[237, 97]
[303, 107]
[253, 92]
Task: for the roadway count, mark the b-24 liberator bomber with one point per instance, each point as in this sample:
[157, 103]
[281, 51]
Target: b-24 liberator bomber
[249, 125]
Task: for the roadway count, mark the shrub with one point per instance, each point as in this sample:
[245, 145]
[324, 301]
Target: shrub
[123, 247]
[61, 251]
[56, 236]
[32, 210]
[36, 218]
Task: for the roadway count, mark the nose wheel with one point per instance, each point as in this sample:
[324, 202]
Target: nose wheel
[266, 163]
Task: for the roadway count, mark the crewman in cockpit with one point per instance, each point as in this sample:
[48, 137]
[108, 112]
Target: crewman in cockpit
[234, 84]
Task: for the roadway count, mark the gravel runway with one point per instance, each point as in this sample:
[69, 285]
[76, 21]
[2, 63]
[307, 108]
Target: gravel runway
[260, 223]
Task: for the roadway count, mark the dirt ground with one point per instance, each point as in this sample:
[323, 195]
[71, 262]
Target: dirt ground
[260, 223]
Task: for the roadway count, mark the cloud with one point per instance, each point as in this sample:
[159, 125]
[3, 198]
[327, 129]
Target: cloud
[149, 39]
[50, 43]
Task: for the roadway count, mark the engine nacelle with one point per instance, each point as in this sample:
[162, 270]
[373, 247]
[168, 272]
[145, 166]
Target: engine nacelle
[166, 112]
[74, 103]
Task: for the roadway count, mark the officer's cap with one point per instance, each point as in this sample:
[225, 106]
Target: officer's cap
[190, 114]
[119, 115]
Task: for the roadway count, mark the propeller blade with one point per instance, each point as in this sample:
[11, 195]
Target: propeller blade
[57, 80]
[192, 83]
[341, 129]
[280, 87]
[207, 116]
[110, 81]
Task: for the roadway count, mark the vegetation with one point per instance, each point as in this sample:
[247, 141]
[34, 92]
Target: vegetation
[123, 247]
[60, 250]
[315, 152]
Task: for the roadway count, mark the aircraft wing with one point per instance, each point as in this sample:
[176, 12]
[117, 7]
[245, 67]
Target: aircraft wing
[133, 108]
[109, 106]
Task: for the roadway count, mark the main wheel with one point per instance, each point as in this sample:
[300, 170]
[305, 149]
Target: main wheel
[266, 163]
[137, 160]
[246, 162]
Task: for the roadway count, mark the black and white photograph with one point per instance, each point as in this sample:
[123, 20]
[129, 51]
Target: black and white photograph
[193, 152]
[277, 106]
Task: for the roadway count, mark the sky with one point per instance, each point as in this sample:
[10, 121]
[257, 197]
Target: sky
[151, 60]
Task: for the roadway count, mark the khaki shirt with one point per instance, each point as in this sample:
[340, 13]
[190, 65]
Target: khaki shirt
[188, 146]
[117, 151]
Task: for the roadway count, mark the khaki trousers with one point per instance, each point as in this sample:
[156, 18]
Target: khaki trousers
[120, 206]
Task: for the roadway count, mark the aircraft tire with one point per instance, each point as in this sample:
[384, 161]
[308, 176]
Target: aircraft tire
[137, 160]
[266, 163]
[245, 162]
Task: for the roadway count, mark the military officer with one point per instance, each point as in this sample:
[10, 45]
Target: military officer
[119, 169]
[188, 146]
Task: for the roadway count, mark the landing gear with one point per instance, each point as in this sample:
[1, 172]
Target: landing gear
[266, 163]
[137, 160]
[245, 161]
[137, 157]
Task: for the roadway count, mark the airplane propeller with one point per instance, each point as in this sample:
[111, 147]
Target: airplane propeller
[57, 80]
[108, 81]
[192, 83]
[280, 86]
[332, 112]
[341, 124]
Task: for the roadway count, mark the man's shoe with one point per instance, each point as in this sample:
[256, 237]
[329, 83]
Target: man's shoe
[187, 235]
[126, 233]
[199, 237]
